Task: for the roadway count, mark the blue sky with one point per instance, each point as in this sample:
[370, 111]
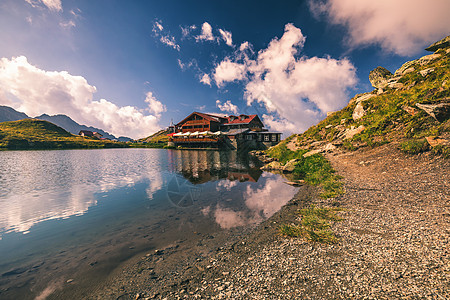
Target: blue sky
[130, 67]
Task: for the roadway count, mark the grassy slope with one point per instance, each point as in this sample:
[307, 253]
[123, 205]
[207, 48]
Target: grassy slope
[39, 134]
[386, 121]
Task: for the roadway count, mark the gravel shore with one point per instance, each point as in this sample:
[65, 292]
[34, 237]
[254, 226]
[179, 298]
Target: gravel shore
[394, 243]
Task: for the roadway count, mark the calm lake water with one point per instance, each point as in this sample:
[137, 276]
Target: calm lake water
[65, 213]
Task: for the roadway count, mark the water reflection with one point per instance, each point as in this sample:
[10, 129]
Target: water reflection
[36, 186]
[86, 208]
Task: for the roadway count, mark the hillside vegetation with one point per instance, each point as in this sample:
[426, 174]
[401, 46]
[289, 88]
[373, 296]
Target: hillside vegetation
[39, 134]
[409, 109]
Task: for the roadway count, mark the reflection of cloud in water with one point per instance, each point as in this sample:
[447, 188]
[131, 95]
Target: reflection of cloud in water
[226, 184]
[261, 202]
[43, 185]
[227, 218]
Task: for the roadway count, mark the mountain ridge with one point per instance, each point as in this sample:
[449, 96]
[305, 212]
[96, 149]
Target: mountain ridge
[10, 114]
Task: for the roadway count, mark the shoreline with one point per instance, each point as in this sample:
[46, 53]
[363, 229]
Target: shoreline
[392, 243]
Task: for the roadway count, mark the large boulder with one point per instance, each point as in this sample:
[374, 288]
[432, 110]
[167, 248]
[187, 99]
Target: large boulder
[440, 111]
[379, 77]
[444, 43]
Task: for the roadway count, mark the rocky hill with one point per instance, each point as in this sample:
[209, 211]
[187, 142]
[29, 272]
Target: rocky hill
[409, 108]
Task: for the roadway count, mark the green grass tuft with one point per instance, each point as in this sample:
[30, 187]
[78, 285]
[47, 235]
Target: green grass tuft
[314, 225]
[415, 146]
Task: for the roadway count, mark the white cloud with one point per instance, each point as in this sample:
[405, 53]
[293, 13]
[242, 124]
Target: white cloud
[154, 106]
[170, 41]
[158, 26]
[54, 5]
[164, 36]
[36, 91]
[228, 71]
[206, 34]
[227, 106]
[402, 26]
[186, 31]
[68, 24]
[296, 91]
[205, 79]
[226, 36]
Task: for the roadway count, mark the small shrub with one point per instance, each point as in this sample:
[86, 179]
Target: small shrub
[414, 146]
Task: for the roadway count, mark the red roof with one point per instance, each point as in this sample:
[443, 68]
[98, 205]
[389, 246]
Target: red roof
[208, 117]
[246, 120]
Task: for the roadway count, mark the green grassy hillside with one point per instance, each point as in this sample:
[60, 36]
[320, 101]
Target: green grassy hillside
[391, 114]
[39, 134]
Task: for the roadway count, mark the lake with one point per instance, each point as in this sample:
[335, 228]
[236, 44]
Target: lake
[76, 215]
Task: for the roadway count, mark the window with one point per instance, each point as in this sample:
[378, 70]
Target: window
[197, 126]
[249, 137]
[259, 137]
[206, 126]
[266, 137]
[274, 137]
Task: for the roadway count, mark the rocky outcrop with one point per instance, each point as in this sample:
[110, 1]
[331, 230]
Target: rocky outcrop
[425, 72]
[353, 131]
[379, 77]
[275, 165]
[444, 43]
[406, 68]
[439, 112]
[290, 166]
[358, 112]
[361, 98]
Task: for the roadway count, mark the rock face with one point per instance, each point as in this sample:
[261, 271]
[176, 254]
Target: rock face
[379, 77]
[444, 43]
[358, 112]
[440, 112]
[425, 72]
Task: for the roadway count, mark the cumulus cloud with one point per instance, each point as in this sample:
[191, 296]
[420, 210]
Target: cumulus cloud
[186, 30]
[227, 107]
[296, 91]
[205, 79]
[226, 36]
[35, 91]
[402, 26]
[53, 5]
[206, 34]
[154, 106]
[228, 71]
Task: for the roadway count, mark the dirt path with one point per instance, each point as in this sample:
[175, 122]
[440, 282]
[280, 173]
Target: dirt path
[395, 243]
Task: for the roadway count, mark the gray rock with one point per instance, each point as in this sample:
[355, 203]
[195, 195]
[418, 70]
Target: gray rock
[425, 72]
[362, 98]
[424, 60]
[406, 68]
[358, 112]
[439, 112]
[275, 165]
[379, 77]
[444, 43]
[312, 152]
[354, 131]
[290, 166]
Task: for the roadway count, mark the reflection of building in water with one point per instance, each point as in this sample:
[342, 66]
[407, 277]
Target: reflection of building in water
[203, 166]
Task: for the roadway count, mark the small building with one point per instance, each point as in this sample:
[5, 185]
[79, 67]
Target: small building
[90, 134]
[201, 130]
[97, 135]
[86, 133]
